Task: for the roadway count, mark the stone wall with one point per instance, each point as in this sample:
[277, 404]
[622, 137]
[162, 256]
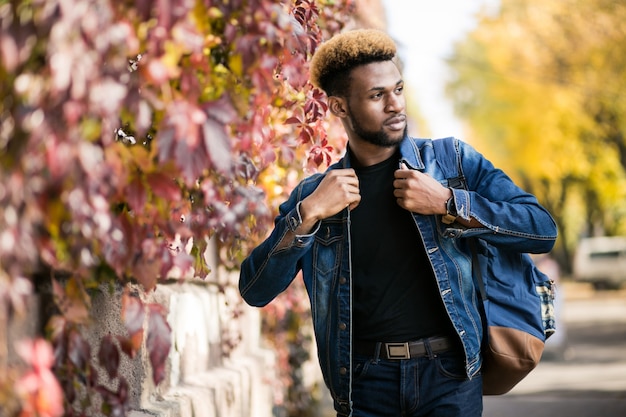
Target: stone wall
[203, 380]
[217, 365]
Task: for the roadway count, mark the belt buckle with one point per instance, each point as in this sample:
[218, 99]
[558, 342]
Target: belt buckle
[398, 350]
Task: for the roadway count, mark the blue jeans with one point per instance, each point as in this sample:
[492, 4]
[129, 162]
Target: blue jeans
[434, 386]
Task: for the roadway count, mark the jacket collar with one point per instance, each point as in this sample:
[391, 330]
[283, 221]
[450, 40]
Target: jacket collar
[409, 154]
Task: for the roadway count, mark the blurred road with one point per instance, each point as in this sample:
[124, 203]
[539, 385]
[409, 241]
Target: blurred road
[585, 376]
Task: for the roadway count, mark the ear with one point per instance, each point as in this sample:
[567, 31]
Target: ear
[337, 106]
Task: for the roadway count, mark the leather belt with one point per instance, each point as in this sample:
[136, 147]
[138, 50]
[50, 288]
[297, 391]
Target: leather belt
[404, 350]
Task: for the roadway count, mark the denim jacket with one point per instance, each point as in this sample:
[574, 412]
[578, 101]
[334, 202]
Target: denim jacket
[509, 217]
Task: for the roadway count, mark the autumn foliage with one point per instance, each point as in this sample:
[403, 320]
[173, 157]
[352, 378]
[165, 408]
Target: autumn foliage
[540, 83]
[131, 134]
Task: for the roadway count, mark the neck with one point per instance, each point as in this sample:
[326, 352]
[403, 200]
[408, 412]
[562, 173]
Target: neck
[366, 154]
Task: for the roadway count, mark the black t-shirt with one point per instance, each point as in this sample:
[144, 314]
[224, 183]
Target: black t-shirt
[395, 293]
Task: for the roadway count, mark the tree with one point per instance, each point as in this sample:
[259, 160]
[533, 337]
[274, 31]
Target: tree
[538, 85]
[131, 134]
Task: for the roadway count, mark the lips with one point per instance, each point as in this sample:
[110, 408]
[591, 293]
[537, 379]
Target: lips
[396, 122]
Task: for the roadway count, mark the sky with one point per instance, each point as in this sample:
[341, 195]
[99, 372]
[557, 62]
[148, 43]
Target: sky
[425, 32]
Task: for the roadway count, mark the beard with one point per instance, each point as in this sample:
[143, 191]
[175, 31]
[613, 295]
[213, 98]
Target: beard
[379, 137]
[375, 137]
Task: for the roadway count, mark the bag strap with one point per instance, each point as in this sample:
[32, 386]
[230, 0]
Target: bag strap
[449, 159]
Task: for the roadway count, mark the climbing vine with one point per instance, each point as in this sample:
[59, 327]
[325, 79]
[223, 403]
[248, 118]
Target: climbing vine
[131, 133]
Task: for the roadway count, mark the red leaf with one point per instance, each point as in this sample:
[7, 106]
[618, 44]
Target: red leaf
[217, 144]
[191, 161]
[78, 350]
[293, 73]
[126, 345]
[122, 390]
[293, 121]
[180, 139]
[321, 154]
[221, 110]
[167, 140]
[304, 136]
[220, 113]
[136, 195]
[71, 299]
[164, 186]
[133, 315]
[297, 118]
[158, 342]
[147, 265]
[109, 356]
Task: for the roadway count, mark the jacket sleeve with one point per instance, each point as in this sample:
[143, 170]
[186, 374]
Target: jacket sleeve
[510, 215]
[270, 268]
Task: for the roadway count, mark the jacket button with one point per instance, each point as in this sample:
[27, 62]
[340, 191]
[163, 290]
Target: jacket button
[342, 326]
[343, 371]
[342, 280]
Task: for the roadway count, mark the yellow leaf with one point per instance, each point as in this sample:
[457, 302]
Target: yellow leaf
[172, 55]
[235, 63]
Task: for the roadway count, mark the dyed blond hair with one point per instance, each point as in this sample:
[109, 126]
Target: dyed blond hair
[335, 58]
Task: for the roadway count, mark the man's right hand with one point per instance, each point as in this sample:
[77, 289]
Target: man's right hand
[338, 189]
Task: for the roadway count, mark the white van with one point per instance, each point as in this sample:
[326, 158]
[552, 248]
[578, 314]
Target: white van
[601, 261]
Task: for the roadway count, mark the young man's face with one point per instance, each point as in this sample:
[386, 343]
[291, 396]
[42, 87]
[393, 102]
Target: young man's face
[376, 104]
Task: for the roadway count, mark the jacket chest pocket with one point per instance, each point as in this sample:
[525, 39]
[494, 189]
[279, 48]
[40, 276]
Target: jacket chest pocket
[328, 246]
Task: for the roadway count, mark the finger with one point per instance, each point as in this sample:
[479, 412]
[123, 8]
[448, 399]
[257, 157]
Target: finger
[354, 204]
[403, 172]
[345, 172]
[402, 179]
[348, 176]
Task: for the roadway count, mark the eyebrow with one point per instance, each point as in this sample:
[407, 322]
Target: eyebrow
[401, 81]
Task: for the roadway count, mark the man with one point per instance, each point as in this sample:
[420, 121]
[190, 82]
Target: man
[379, 240]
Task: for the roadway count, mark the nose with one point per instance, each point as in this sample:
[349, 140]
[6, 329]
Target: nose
[395, 103]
